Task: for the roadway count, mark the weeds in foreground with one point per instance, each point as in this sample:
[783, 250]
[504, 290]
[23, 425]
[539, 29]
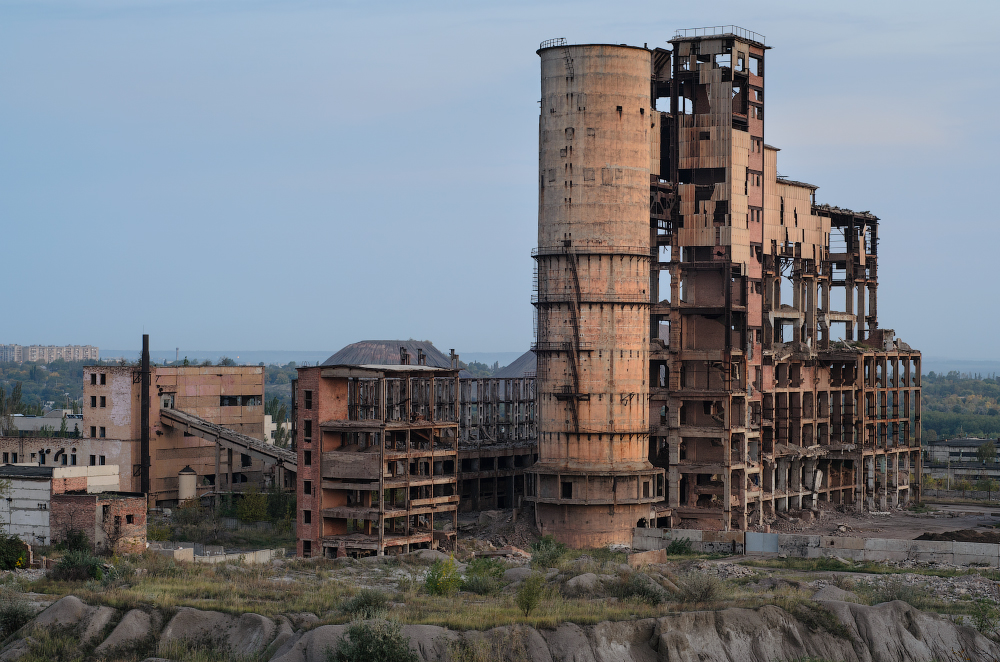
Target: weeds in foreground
[366, 641]
[443, 578]
[700, 587]
[865, 567]
[636, 586]
[680, 547]
[484, 576]
[15, 611]
[367, 603]
[547, 552]
[508, 645]
[892, 588]
[985, 616]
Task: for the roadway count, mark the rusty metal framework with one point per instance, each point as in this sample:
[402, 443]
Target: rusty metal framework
[498, 440]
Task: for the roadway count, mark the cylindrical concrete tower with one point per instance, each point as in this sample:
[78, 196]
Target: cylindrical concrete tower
[593, 481]
[187, 484]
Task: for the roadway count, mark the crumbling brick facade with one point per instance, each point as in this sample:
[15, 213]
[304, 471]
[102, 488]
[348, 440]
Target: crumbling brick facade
[377, 458]
[109, 520]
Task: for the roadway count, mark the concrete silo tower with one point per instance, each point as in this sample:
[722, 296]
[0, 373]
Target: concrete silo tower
[598, 138]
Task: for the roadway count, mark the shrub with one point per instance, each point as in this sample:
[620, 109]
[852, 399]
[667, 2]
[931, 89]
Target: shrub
[368, 603]
[78, 566]
[121, 572]
[252, 506]
[158, 532]
[680, 547]
[443, 578]
[189, 512]
[507, 645]
[700, 587]
[816, 617]
[546, 552]
[13, 553]
[483, 585]
[985, 616]
[14, 611]
[636, 586]
[75, 540]
[529, 593]
[887, 589]
[484, 576]
[380, 640]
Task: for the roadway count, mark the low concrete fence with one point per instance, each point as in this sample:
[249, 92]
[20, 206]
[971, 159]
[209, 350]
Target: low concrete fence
[198, 553]
[803, 546]
[259, 556]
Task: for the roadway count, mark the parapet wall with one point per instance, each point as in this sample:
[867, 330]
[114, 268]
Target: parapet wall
[802, 546]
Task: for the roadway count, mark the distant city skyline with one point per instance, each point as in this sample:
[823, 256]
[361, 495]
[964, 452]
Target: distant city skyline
[258, 175]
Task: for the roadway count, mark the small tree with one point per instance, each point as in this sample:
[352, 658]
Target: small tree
[252, 506]
[988, 485]
[529, 593]
[987, 453]
[964, 485]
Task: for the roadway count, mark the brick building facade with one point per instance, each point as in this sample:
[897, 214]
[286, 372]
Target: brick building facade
[109, 519]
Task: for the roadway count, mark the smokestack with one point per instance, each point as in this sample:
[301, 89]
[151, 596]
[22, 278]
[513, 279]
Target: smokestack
[144, 418]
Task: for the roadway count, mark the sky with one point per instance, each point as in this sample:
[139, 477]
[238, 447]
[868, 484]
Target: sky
[301, 175]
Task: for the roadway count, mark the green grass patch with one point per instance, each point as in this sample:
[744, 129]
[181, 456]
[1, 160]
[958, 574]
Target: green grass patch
[866, 567]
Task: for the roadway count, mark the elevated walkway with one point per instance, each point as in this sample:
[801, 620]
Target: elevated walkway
[229, 439]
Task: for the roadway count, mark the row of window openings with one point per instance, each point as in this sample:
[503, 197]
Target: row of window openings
[106, 513]
[93, 379]
[239, 401]
[66, 459]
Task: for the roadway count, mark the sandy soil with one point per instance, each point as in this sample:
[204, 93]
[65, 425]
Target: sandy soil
[899, 525]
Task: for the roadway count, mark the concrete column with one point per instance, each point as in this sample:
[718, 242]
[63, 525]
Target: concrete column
[861, 311]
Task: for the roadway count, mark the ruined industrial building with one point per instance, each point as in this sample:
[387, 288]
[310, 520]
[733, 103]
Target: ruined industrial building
[393, 439]
[709, 352]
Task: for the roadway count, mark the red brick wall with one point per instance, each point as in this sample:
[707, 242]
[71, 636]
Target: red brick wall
[74, 484]
[309, 380]
[69, 512]
[133, 536]
[84, 512]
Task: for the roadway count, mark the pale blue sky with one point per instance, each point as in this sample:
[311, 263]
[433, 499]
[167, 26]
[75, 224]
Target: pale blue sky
[301, 175]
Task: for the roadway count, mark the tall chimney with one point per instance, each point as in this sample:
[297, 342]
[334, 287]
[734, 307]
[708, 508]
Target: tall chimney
[144, 377]
[593, 481]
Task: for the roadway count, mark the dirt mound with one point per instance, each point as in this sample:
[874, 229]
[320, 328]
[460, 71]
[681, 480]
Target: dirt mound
[965, 535]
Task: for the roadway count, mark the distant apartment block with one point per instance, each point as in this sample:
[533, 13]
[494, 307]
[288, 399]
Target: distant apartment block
[47, 353]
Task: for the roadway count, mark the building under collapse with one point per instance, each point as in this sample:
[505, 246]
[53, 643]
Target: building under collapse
[390, 447]
[709, 352]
